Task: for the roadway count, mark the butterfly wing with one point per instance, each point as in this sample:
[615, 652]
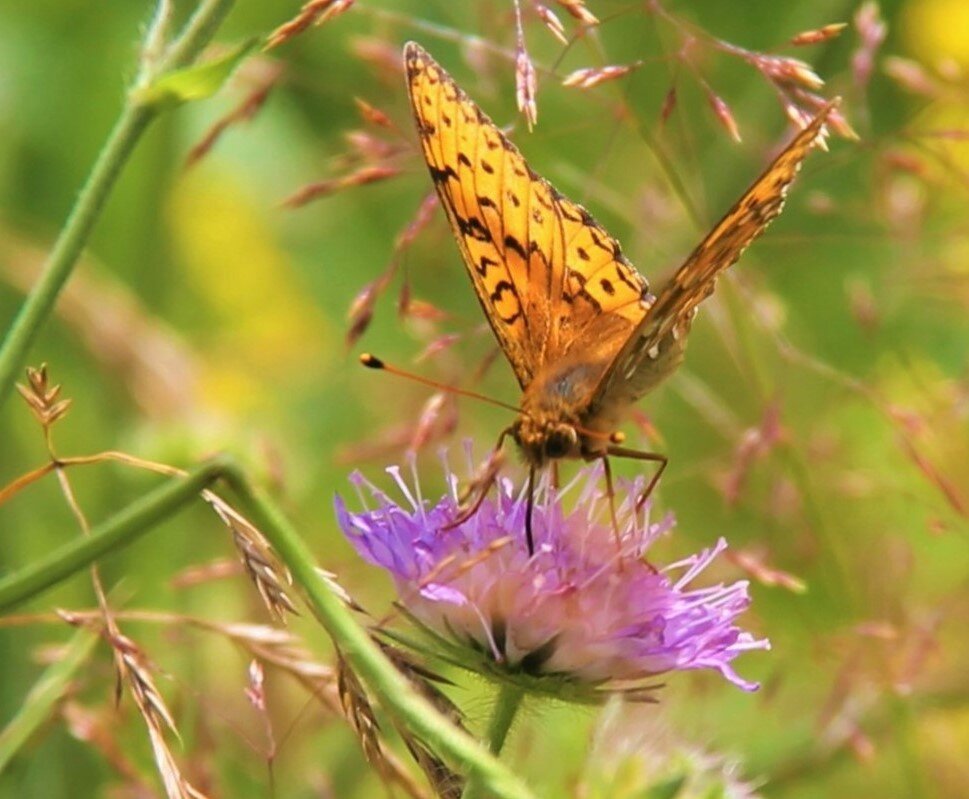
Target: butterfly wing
[655, 347]
[603, 297]
[542, 268]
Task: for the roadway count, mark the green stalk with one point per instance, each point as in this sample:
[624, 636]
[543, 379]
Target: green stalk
[46, 693]
[506, 708]
[196, 34]
[389, 685]
[73, 236]
[391, 688]
[120, 530]
[127, 131]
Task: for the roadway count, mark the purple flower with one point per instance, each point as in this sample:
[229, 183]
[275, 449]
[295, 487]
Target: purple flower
[586, 607]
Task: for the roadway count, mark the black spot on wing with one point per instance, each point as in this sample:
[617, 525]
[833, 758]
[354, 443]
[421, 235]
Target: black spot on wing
[512, 243]
[484, 263]
[501, 288]
[473, 228]
[439, 175]
[640, 287]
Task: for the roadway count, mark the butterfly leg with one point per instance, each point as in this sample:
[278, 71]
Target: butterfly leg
[611, 494]
[480, 484]
[635, 454]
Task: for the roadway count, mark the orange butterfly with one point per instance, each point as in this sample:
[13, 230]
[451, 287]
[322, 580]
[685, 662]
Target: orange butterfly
[578, 323]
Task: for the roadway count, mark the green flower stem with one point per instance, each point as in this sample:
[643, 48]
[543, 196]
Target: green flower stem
[73, 236]
[394, 692]
[507, 703]
[196, 34]
[134, 120]
[391, 688]
[120, 530]
[46, 693]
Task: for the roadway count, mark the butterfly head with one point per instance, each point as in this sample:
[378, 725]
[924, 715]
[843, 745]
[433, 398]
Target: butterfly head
[543, 439]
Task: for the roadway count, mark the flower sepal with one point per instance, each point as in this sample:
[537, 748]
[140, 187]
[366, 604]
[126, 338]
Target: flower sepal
[468, 655]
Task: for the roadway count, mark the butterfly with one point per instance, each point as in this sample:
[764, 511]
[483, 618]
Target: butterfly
[578, 323]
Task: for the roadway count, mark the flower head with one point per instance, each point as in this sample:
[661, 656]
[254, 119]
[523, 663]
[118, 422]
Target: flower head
[637, 755]
[586, 607]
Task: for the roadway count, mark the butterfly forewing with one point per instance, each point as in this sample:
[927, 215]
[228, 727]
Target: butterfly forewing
[575, 319]
[550, 279]
[485, 189]
[664, 326]
[602, 291]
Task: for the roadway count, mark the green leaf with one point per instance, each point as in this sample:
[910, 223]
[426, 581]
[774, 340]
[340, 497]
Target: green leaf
[40, 703]
[718, 791]
[196, 82]
[669, 788]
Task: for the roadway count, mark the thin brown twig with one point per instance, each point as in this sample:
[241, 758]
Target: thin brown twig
[131, 667]
[246, 110]
[19, 483]
[271, 645]
[270, 577]
[789, 351]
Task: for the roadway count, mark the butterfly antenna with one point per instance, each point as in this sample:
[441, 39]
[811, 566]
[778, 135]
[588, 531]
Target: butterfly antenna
[373, 362]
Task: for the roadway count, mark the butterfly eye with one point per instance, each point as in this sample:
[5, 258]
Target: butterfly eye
[560, 442]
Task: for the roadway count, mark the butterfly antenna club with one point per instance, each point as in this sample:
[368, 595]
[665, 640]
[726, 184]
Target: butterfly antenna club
[373, 362]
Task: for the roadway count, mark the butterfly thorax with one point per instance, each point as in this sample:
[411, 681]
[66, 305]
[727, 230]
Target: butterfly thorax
[554, 409]
[564, 415]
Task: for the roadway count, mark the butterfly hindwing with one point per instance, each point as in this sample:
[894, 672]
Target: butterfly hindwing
[664, 327]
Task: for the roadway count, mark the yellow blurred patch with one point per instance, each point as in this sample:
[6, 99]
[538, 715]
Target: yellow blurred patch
[229, 385]
[263, 320]
[937, 29]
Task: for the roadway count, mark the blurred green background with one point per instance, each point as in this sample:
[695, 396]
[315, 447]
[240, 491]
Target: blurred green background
[207, 316]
